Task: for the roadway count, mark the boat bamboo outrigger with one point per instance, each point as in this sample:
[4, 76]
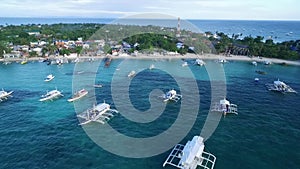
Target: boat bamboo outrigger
[184, 64]
[280, 86]
[222, 61]
[225, 107]
[172, 96]
[199, 62]
[53, 94]
[191, 155]
[131, 74]
[254, 63]
[97, 85]
[4, 95]
[78, 95]
[152, 67]
[49, 78]
[100, 113]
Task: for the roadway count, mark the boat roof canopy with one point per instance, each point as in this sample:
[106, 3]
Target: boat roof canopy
[102, 106]
[224, 101]
[172, 91]
[192, 149]
[278, 82]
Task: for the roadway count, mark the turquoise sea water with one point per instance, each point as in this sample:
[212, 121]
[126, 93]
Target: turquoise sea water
[265, 134]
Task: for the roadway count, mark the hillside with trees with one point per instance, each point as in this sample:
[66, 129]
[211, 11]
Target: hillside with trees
[256, 46]
[52, 39]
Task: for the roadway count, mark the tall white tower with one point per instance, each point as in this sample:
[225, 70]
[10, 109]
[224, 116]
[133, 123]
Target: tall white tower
[178, 28]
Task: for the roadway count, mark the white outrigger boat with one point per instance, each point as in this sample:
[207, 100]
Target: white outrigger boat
[184, 64]
[254, 63]
[100, 113]
[199, 62]
[131, 74]
[4, 95]
[222, 61]
[53, 94]
[151, 66]
[78, 95]
[266, 62]
[98, 85]
[280, 86]
[225, 107]
[172, 96]
[49, 78]
[191, 155]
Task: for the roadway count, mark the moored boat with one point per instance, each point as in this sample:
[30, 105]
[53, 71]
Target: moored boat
[222, 60]
[254, 63]
[191, 155]
[53, 94]
[131, 74]
[49, 78]
[4, 95]
[267, 62]
[199, 62]
[172, 96]
[23, 62]
[184, 64]
[78, 95]
[100, 113]
[280, 86]
[224, 106]
[98, 85]
[151, 66]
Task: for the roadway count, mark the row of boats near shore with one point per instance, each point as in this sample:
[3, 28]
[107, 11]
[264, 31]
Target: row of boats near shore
[56, 60]
[54, 94]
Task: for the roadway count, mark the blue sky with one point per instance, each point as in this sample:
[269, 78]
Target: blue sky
[186, 9]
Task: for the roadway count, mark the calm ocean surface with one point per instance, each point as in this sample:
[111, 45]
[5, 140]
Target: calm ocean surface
[265, 134]
[277, 30]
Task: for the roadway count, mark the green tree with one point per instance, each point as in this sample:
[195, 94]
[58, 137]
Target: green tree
[32, 54]
[64, 52]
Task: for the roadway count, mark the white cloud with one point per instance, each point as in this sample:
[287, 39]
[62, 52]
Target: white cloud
[157, 8]
[82, 1]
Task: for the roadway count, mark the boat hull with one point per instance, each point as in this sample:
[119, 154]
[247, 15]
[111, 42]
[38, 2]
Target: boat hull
[77, 98]
[51, 97]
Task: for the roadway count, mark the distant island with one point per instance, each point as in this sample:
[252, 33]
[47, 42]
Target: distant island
[37, 40]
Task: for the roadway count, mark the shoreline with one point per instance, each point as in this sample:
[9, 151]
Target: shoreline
[186, 56]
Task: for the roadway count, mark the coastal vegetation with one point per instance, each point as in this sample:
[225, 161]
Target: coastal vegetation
[65, 39]
[255, 46]
[150, 41]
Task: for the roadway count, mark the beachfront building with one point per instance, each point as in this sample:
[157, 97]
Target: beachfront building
[38, 51]
[12, 55]
[86, 46]
[101, 43]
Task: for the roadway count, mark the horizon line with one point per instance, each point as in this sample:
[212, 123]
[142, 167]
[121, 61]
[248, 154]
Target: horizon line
[115, 18]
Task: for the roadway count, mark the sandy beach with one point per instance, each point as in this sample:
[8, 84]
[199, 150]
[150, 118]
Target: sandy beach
[186, 56]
